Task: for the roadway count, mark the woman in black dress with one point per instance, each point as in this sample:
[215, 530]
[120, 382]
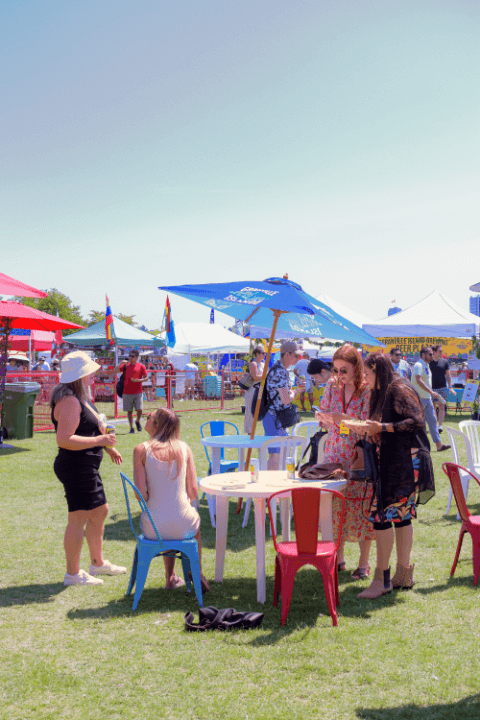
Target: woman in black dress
[397, 426]
[81, 437]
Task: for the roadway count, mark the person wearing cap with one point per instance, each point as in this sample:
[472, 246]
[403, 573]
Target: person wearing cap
[81, 438]
[280, 394]
[42, 365]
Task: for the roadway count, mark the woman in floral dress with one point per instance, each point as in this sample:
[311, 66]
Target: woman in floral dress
[347, 396]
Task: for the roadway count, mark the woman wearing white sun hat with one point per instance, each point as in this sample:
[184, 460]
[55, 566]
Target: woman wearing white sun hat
[81, 437]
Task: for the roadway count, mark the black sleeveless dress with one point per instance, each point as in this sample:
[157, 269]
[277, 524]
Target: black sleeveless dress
[78, 470]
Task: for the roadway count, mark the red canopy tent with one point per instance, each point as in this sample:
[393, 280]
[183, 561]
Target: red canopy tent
[39, 339]
[10, 286]
[15, 315]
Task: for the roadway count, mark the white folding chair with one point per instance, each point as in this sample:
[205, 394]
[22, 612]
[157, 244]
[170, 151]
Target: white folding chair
[456, 438]
[311, 426]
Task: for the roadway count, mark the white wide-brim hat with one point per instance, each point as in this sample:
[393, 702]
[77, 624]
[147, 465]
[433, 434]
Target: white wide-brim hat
[77, 365]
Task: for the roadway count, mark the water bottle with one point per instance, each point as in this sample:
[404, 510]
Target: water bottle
[290, 468]
[254, 471]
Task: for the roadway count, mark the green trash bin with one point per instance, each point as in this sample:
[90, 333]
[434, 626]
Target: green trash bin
[18, 401]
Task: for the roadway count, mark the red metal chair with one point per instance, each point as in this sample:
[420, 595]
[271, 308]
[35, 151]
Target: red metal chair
[306, 549]
[470, 523]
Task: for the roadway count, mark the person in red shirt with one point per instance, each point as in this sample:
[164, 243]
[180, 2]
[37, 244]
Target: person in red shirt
[135, 375]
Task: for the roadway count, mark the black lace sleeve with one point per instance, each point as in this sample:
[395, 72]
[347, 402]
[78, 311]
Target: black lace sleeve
[405, 403]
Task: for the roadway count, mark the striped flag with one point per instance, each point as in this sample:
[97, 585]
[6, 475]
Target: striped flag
[168, 324]
[109, 334]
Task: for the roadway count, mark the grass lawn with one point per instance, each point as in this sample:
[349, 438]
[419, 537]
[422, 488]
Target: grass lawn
[80, 652]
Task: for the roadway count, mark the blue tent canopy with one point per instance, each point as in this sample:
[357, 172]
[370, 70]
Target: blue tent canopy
[124, 334]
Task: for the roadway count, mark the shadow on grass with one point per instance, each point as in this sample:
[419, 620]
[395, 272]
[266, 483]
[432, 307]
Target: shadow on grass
[469, 707]
[12, 450]
[26, 594]
[466, 581]
[308, 605]
[118, 528]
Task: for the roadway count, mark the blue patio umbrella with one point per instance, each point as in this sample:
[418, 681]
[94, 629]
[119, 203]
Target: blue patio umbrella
[298, 314]
[295, 313]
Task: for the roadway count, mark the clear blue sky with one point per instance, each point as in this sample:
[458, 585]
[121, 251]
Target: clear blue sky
[158, 142]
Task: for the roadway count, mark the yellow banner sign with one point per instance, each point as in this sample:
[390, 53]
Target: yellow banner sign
[451, 347]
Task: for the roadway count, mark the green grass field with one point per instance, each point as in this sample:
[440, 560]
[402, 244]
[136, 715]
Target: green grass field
[80, 652]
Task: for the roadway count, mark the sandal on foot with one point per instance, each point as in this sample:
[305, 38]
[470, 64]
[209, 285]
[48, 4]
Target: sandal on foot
[342, 566]
[360, 573]
[175, 583]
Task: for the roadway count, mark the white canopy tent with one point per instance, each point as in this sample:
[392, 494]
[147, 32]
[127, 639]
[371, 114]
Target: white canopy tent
[345, 312]
[435, 315]
[207, 338]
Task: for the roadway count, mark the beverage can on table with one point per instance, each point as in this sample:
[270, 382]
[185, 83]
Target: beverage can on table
[254, 470]
[290, 468]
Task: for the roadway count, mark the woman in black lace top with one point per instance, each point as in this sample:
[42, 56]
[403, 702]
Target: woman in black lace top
[397, 426]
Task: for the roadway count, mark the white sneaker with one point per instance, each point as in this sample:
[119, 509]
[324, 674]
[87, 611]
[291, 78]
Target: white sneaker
[81, 578]
[107, 568]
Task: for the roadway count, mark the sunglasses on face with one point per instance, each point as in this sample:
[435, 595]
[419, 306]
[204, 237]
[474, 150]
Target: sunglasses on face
[397, 354]
[342, 371]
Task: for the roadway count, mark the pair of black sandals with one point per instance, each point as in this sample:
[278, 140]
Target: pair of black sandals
[210, 618]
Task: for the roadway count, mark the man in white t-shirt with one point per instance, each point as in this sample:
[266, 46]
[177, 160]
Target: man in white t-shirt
[300, 370]
[422, 382]
[190, 376]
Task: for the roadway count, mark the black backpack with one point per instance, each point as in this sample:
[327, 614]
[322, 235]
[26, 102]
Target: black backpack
[313, 447]
[264, 403]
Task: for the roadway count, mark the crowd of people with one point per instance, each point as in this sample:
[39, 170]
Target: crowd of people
[392, 402]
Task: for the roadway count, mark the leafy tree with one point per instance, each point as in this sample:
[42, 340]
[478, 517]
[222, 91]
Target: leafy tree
[127, 319]
[95, 316]
[56, 302]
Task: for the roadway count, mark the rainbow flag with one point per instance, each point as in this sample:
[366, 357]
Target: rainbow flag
[109, 334]
[168, 325]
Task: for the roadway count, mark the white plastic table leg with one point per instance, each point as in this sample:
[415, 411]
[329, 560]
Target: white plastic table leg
[326, 521]
[221, 536]
[260, 548]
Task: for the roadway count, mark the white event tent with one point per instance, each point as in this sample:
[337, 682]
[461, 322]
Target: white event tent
[434, 316]
[207, 338]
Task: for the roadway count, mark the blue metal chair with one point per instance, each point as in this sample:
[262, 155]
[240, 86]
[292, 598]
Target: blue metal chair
[217, 427]
[146, 550]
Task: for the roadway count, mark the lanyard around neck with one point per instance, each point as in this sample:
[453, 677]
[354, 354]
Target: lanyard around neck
[345, 407]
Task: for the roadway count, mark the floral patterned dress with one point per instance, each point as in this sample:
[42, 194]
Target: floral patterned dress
[341, 449]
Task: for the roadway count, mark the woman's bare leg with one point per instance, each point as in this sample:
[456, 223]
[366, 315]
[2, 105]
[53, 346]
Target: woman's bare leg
[94, 533]
[384, 547]
[404, 542]
[73, 539]
[365, 546]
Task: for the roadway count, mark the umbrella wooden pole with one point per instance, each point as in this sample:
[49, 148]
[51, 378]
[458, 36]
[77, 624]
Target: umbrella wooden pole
[276, 315]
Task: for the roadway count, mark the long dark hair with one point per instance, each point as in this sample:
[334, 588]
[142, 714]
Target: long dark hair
[384, 371]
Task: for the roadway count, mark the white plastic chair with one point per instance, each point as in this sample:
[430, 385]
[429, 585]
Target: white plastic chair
[456, 437]
[471, 428]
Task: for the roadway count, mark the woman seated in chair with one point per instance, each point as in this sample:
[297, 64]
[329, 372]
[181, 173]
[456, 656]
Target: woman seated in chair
[165, 474]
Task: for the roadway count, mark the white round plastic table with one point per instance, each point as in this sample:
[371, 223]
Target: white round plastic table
[236, 485]
[238, 442]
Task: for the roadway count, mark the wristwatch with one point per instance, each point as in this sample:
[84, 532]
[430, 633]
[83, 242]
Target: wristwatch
[384, 427]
